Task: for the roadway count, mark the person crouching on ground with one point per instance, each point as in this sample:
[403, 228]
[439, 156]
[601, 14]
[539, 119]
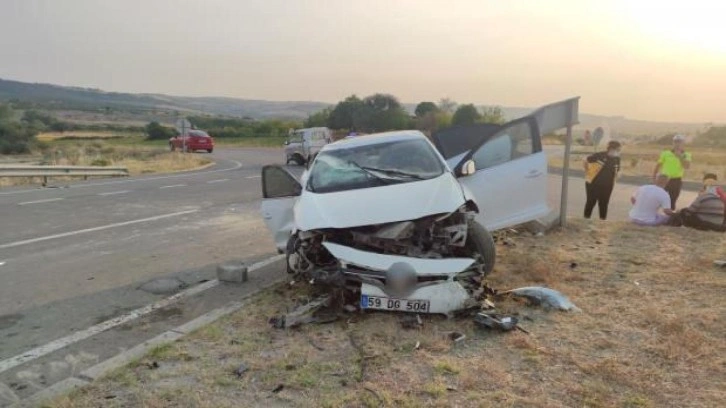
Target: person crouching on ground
[651, 203]
[673, 163]
[708, 210]
[601, 169]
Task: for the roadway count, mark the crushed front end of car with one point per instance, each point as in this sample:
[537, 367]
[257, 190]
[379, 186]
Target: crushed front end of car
[432, 264]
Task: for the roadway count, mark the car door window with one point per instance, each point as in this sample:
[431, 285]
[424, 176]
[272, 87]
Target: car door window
[508, 144]
[277, 182]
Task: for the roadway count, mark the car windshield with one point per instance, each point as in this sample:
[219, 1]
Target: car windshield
[374, 165]
[198, 133]
[295, 137]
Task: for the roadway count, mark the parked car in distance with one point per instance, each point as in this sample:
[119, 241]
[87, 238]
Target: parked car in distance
[302, 145]
[195, 140]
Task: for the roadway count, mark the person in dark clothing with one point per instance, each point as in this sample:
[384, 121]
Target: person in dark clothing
[600, 171]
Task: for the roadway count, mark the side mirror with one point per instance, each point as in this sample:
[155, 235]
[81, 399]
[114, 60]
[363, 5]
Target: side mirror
[468, 168]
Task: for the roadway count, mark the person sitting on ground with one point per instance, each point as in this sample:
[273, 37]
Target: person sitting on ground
[651, 203]
[707, 212]
[710, 180]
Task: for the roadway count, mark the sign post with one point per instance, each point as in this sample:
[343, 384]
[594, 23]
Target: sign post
[183, 125]
[559, 115]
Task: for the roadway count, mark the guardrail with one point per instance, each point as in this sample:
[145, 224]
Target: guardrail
[14, 170]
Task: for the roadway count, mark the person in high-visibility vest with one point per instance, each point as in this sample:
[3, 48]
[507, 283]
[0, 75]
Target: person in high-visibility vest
[673, 163]
[600, 171]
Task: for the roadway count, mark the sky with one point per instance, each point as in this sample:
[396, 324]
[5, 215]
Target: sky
[645, 59]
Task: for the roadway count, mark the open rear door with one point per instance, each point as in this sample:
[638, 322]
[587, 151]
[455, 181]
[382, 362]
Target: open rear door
[510, 182]
[280, 190]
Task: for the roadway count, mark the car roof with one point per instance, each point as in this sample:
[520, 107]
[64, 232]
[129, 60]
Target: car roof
[375, 138]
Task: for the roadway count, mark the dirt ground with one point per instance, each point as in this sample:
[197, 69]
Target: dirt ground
[651, 333]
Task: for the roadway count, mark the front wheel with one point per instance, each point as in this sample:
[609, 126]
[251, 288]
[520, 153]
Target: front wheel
[480, 241]
[210, 150]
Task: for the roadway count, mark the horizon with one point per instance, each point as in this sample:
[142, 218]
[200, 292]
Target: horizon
[622, 59]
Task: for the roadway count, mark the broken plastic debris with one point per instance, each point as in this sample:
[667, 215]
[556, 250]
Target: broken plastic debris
[546, 297]
[496, 321]
[456, 336]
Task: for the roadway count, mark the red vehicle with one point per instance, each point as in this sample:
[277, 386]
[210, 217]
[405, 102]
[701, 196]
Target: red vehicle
[195, 140]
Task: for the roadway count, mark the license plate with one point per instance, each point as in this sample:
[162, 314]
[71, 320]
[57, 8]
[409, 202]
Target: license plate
[385, 303]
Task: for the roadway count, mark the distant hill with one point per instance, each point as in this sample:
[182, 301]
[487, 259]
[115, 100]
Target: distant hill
[73, 98]
[144, 106]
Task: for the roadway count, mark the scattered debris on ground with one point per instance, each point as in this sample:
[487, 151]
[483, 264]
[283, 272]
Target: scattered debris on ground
[545, 297]
[655, 343]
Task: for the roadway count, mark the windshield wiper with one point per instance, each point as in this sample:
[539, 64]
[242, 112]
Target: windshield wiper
[393, 172]
[370, 172]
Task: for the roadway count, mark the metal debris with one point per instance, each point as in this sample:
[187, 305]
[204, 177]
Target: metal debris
[721, 263]
[546, 297]
[457, 337]
[301, 315]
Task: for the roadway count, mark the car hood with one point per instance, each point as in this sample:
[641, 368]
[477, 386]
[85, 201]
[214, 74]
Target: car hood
[379, 205]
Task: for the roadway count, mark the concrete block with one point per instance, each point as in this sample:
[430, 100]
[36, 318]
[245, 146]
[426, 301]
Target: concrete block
[233, 271]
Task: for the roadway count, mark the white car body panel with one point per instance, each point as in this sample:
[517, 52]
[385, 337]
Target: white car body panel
[380, 262]
[510, 193]
[396, 202]
[278, 216]
[444, 298]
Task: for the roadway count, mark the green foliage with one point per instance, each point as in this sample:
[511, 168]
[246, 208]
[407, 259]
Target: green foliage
[447, 105]
[15, 137]
[493, 114]
[155, 131]
[465, 115]
[715, 136]
[342, 115]
[318, 119]
[375, 113]
[425, 108]
[219, 127]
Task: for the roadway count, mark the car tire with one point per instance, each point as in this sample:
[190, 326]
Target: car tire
[210, 150]
[299, 160]
[479, 239]
[172, 147]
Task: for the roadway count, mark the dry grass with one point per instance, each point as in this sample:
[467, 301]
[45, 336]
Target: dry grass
[81, 134]
[651, 334]
[138, 159]
[640, 160]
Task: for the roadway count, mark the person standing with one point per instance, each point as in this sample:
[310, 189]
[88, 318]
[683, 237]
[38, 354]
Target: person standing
[673, 163]
[651, 203]
[601, 169]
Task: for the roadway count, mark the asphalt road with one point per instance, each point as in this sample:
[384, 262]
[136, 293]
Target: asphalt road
[74, 256]
[69, 254]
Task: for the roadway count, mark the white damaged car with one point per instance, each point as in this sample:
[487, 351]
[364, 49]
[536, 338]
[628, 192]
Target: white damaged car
[404, 223]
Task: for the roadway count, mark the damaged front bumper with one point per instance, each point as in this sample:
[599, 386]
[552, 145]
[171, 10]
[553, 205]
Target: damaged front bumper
[407, 284]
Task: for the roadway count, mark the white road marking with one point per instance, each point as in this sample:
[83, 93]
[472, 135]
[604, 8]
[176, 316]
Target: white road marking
[173, 185]
[109, 324]
[114, 193]
[3, 263]
[94, 229]
[216, 181]
[131, 180]
[40, 201]
[252, 177]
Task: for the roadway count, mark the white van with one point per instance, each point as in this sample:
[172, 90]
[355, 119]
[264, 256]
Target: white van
[302, 145]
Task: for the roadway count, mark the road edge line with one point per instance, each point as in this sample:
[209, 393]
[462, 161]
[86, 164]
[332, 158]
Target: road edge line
[63, 342]
[98, 371]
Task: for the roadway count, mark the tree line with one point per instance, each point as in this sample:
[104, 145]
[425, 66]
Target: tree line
[382, 112]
